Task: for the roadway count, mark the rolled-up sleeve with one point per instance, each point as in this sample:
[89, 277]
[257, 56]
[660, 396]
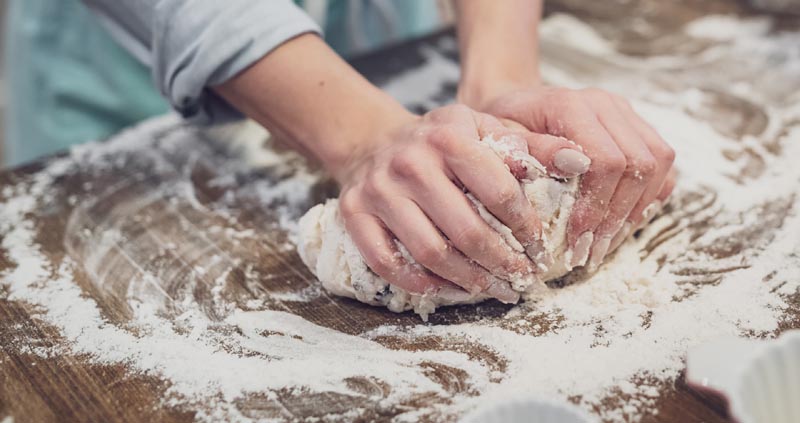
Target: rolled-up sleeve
[191, 45]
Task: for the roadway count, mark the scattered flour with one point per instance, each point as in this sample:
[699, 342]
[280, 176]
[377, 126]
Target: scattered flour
[295, 353]
[624, 330]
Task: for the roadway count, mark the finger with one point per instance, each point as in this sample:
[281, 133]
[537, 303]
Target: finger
[640, 168]
[623, 234]
[507, 143]
[663, 154]
[380, 253]
[532, 156]
[486, 177]
[628, 228]
[426, 245]
[513, 152]
[512, 124]
[558, 156]
[598, 184]
[469, 232]
[502, 202]
[465, 125]
[663, 195]
[668, 187]
[653, 208]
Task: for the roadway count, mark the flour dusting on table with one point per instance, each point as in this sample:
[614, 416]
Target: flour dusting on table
[186, 240]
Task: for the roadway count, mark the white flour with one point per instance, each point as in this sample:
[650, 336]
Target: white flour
[623, 324]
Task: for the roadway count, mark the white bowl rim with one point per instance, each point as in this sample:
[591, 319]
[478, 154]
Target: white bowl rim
[534, 400]
[735, 402]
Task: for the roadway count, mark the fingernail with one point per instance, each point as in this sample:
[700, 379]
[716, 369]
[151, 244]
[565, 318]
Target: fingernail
[599, 253]
[538, 253]
[571, 161]
[452, 295]
[621, 236]
[581, 250]
[650, 212]
[503, 292]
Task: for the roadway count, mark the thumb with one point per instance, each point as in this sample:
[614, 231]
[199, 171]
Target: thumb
[506, 138]
[560, 157]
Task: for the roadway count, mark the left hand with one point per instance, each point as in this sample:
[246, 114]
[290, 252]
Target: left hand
[631, 171]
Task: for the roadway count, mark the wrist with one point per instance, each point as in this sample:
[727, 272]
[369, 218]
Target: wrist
[478, 90]
[367, 132]
[308, 97]
[498, 44]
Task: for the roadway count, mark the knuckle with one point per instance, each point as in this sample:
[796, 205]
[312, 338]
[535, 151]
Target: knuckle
[530, 227]
[597, 94]
[348, 203]
[431, 254]
[594, 92]
[572, 96]
[622, 102]
[666, 192]
[446, 113]
[374, 187]
[505, 198]
[642, 168]
[443, 138]
[458, 108]
[407, 166]
[470, 237]
[435, 114]
[561, 92]
[612, 164]
[511, 264]
[567, 101]
[665, 153]
[382, 262]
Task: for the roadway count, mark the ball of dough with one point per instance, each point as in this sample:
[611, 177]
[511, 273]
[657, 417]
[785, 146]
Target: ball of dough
[329, 252]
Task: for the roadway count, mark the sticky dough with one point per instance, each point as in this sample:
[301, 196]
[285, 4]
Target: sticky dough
[329, 252]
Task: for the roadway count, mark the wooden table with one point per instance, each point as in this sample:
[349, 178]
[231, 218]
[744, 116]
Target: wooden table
[35, 387]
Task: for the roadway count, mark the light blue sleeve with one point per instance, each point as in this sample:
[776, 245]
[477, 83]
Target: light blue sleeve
[192, 44]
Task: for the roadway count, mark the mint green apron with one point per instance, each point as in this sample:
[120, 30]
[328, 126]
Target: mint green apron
[69, 82]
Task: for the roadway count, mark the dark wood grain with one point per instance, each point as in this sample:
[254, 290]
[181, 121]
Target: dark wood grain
[37, 387]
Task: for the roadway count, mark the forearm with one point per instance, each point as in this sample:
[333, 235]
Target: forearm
[193, 44]
[308, 96]
[498, 43]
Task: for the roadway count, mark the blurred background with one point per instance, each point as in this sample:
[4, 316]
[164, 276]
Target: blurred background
[108, 82]
[72, 81]
[2, 69]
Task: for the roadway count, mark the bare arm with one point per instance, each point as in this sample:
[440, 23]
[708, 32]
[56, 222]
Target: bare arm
[629, 174]
[308, 96]
[401, 174]
[499, 47]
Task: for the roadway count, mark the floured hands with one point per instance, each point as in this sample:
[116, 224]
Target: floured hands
[402, 176]
[631, 173]
[409, 184]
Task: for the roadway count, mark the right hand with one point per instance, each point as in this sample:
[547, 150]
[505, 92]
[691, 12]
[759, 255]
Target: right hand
[409, 184]
[631, 174]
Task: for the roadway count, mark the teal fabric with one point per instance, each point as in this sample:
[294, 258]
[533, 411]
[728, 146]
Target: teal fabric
[357, 26]
[70, 82]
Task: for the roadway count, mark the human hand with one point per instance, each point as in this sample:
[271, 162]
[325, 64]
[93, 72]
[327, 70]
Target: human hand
[631, 165]
[401, 175]
[409, 184]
